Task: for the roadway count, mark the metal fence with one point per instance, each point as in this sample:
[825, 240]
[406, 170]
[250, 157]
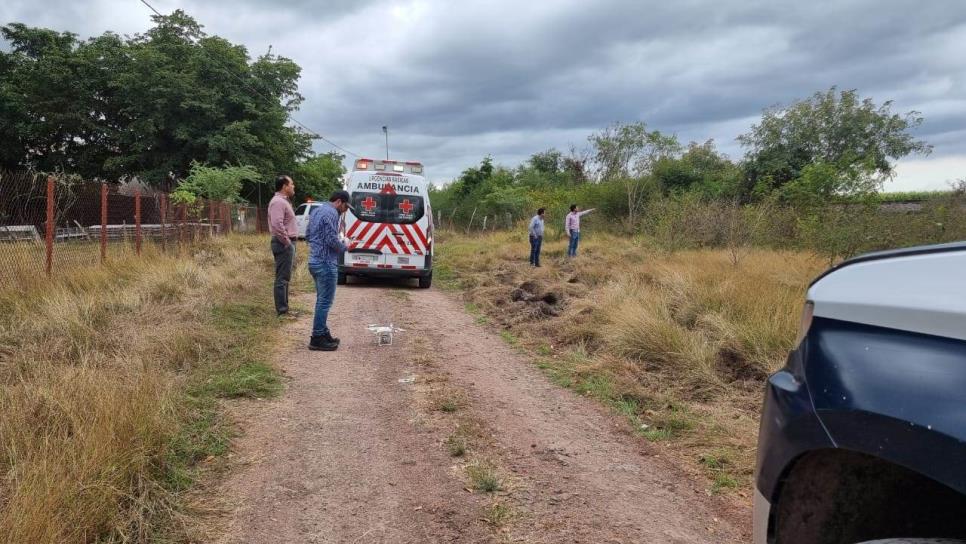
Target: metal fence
[52, 223]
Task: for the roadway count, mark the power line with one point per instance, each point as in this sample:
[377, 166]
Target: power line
[311, 132]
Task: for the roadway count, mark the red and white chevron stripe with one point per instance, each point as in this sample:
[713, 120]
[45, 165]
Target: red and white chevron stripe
[388, 238]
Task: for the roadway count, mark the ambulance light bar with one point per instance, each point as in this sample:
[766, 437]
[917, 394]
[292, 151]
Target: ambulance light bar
[411, 167]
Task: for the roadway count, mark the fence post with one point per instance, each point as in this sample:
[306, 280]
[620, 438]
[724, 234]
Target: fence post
[258, 220]
[211, 219]
[227, 216]
[103, 223]
[50, 224]
[184, 212]
[471, 221]
[164, 227]
[137, 222]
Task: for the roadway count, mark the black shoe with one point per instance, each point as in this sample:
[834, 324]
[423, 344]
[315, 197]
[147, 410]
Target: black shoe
[328, 337]
[320, 343]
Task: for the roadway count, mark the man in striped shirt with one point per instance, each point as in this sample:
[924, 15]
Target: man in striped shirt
[322, 234]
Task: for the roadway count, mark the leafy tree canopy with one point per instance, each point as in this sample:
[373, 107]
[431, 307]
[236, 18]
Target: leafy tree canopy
[149, 105]
[830, 133]
[319, 176]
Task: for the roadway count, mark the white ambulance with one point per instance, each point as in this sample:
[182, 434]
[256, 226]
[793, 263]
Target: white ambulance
[389, 226]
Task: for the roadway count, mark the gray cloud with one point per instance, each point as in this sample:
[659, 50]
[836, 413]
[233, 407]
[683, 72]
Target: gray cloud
[457, 81]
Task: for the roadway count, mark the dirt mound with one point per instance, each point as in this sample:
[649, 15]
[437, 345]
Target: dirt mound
[534, 302]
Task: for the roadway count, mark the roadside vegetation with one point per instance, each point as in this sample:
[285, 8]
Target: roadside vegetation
[109, 384]
[678, 343]
[692, 270]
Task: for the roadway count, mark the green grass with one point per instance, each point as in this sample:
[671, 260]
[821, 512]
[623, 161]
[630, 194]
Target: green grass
[237, 348]
[718, 465]
[500, 514]
[456, 445]
[597, 386]
[657, 435]
[203, 435]
[509, 338]
[252, 379]
[484, 477]
[444, 277]
[477, 313]
[449, 406]
[722, 482]
[558, 372]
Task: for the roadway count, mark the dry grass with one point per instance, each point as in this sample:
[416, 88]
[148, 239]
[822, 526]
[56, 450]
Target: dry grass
[679, 343]
[108, 377]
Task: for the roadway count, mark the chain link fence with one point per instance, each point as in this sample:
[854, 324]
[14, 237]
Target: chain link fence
[53, 223]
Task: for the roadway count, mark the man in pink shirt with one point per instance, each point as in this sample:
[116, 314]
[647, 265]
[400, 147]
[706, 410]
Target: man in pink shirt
[281, 225]
[572, 225]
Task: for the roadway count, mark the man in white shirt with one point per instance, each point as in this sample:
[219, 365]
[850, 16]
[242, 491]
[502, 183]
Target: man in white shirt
[536, 237]
[572, 226]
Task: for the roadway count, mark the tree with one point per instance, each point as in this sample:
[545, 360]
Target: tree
[629, 153]
[222, 184]
[855, 139]
[149, 105]
[700, 169]
[547, 162]
[319, 176]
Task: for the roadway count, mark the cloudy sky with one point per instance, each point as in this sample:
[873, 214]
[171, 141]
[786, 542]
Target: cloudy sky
[455, 81]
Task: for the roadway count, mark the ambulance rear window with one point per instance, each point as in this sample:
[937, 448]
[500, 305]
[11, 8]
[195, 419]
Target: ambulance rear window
[385, 208]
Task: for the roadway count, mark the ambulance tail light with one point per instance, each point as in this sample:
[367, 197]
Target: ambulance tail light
[417, 169]
[380, 166]
[362, 164]
[398, 168]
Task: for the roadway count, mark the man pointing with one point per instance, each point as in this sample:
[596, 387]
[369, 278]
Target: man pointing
[572, 226]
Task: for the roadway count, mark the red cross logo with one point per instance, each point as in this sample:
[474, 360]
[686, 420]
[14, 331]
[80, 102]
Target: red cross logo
[388, 189]
[369, 204]
[406, 206]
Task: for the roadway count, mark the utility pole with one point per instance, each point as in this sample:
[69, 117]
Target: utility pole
[385, 130]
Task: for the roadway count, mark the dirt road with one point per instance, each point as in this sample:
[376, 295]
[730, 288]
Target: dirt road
[366, 444]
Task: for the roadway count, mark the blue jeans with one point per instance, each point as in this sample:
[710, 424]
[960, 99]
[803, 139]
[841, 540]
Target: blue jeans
[574, 238]
[535, 244]
[325, 276]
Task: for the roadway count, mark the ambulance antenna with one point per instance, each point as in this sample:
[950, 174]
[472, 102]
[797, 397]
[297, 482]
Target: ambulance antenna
[385, 130]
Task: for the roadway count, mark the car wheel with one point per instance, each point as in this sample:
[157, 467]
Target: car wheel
[426, 281]
[342, 279]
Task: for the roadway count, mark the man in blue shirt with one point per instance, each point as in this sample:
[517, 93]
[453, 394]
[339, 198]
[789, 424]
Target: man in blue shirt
[322, 234]
[536, 237]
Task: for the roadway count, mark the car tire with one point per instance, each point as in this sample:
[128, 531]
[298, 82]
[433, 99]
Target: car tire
[425, 282]
[914, 541]
[342, 279]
